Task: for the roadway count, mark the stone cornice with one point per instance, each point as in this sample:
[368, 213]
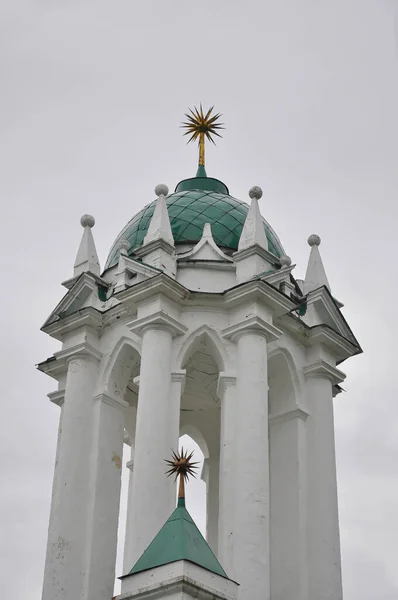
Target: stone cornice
[255, 250]
[178, 587]
[295, 413]
[112, 401]
[57, 365]
[160, 284]
[322, 297]
[225, 380]
[84, 317]
[337, 390]
[87, 276]
[255, 325]
[261, 291]
[179, 377]
[320, 369]
[335, 342]
[278, 275]
[134, 267]
[79, 350]
[341, 347]
[158, 320]
[155, 245]
[57, 397]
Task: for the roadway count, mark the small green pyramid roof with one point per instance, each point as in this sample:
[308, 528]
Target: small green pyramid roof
[179, 539]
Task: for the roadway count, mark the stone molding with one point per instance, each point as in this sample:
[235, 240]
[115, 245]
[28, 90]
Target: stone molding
[160, 284]
[261, 291]
[158, 320]
[57, 365]
[277, 276]
[179, 377]
[80, 350]
[57, 397]
[330, 302]
[295, 413]
[130, 465]
[320, 369]
[336, 390]
[225, 381]
[255, 250]
[255, 325]
[112, 401]
[84, 317]
[159, 244]
[176, 587]
[339, 345]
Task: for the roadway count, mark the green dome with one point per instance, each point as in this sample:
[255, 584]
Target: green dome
[189, 210]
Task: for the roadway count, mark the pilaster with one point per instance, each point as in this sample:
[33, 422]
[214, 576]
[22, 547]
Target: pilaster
[252, 559]
[288, 474]
[68, 544]
[324, 562]
[226, 391]
[211, 476]
[104, 483]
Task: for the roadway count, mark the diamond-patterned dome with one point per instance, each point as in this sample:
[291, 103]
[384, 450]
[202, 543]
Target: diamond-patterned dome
[189, 211]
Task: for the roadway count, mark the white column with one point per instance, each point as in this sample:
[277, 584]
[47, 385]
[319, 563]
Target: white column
[324, 562]
[226, 522]
[153, 494]
[105, 483]
[66, 561]
[252, 540]
[288, 481]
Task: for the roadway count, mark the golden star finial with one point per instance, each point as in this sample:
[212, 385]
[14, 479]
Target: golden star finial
[201, 125]
[182, 467]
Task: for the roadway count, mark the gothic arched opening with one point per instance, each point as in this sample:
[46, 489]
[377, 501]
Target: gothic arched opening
[200, 418]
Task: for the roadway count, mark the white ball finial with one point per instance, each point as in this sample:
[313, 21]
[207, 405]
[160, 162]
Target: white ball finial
[314, 240]
[255, 192]
[286, 261]
[124, 246]
[87, 221]
[161, 190]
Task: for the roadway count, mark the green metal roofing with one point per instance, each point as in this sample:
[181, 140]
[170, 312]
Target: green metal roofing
[196, 201]
[179, 539]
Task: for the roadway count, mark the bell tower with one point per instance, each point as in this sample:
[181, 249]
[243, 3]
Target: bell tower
[197, 325]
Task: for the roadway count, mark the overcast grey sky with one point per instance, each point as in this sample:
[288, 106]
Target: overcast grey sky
[92, 94]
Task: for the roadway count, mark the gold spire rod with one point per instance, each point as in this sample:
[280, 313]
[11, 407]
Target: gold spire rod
[201, 149]
[200, 126]
[182, 467]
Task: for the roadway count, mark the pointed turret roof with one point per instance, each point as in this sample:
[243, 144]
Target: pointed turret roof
[159, 226]
[315, 276]
[179, 539]
[253, 230]
[87, 257]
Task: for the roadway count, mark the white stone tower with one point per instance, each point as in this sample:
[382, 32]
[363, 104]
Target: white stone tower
[196, 325]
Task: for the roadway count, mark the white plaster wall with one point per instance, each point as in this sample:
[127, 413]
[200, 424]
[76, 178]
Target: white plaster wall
[203, 279]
